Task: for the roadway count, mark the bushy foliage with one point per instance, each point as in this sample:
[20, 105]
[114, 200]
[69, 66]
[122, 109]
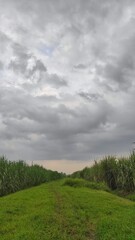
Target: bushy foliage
[76, 182]
[15, 176]
[116, 173]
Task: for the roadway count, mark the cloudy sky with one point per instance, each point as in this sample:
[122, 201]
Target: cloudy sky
[67, 87]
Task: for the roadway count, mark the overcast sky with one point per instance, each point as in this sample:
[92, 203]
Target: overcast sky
[67, 79]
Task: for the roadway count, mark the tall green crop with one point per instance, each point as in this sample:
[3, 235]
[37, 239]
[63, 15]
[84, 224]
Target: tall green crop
[15, 176]
[116, 173]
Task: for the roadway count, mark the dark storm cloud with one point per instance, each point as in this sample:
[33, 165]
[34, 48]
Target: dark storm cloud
[19, 64]
[49, 130]
[122, 68]
[74, 96]
[28, 65]
[39, 66]
[90, 96]
[61, 120]
[21, 61]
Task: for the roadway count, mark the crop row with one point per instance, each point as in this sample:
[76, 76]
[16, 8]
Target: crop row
[117, 173]
[15, 176]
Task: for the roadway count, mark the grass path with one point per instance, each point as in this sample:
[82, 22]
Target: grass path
[56, 212]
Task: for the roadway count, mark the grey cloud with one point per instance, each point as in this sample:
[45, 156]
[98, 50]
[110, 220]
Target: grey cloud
[80, 66]
[44, 115]
[39, 66]
[53, 128]
[119, 66]
[122, 69]
[1, 65]
[20, 63]
[56, 80]
[90, 96]
[4, 39]
[43, 80]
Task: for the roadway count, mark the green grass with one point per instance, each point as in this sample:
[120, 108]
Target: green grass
[54, 211]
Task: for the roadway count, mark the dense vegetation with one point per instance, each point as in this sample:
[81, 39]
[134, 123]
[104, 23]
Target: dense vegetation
[77, 182]
[117, 173]
[55, 211]
[15, 176]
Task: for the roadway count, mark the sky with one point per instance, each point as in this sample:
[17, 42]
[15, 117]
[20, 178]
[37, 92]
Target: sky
[67, 88]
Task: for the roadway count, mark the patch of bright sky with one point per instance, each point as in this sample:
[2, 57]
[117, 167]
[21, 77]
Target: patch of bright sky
[48, 91]
[65, 166]
[47, 50]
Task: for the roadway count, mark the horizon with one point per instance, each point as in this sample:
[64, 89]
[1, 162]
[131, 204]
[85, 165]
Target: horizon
[71, 166]
[64, 166]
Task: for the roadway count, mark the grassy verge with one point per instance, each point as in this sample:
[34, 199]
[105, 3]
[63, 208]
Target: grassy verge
[52, 211]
